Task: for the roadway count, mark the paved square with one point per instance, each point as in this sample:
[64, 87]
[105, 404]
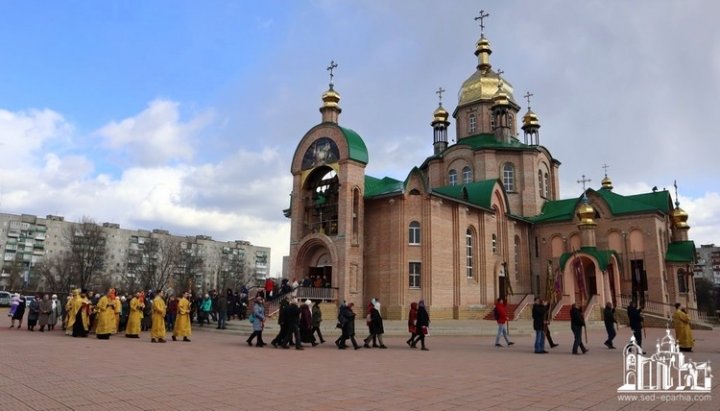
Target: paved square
[218, 371]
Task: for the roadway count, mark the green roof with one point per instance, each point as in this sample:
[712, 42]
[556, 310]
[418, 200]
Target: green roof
[681, 252]
[490, 141]
[564, 210]
[356, 146]
[602, 256]
[478, 193]
[375, 187]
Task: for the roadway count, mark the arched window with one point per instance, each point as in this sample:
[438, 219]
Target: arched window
[469, 241]
[509, 177]
[467, 175]
[414, 233]
[472, 123]
[682, 282]
[452, 177]
[494, 244]
[547, 185]
[541, 190]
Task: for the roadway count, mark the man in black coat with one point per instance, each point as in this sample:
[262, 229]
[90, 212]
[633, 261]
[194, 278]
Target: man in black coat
[636, 322]
[610, 321]
[538, 315]
[292, 317]
[577, 322]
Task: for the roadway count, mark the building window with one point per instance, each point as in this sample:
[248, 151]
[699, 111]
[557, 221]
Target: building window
[414, 278]
[494, 244]
[452, 177]
[469, 253]
[547, 186]
[509, 177]
[682, 284]
[541, 190]
[472, 123]
[414, 233]
[467, 175]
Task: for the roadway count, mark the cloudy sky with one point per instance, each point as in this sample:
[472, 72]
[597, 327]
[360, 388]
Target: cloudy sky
[184, 115]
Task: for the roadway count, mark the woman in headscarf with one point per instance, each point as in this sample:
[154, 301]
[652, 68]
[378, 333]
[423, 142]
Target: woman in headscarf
[412, 324]
[306, 325]
[45, 308]
[258, 323]
[422, 324]
[33, 312]
[55, 312]
[18, 312]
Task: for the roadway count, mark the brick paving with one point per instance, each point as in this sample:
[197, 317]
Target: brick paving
[218, 371]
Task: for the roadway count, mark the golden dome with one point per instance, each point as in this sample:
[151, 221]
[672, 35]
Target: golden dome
[607, 183]
[531, 119]
[331, 98]
[500, 98]
[586, 214]
[679, 218]
[440, 115]
[483, 86]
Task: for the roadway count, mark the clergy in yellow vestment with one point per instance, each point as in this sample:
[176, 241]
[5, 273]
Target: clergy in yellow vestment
[78, 315]
[683, 331]
[182, 322]
[137, 305]
[105, 318]
[157, 333]
[117, 309]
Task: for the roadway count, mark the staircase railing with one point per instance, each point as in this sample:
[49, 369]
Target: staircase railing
[660, 308]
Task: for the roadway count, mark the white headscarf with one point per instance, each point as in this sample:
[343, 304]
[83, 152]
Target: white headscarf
[54, 302]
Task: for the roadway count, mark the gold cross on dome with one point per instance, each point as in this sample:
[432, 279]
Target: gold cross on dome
[440, 92]
[605, 166]
[583, 181]
[333, 65]
[481, 17]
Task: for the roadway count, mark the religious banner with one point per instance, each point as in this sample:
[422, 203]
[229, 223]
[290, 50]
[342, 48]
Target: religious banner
[580, 277]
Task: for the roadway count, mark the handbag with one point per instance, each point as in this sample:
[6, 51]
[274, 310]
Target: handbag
[425, 330]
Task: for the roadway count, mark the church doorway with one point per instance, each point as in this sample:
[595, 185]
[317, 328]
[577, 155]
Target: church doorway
[585, 279]
[320, 276]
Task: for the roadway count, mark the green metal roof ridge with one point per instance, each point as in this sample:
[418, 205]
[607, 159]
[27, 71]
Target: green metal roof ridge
[681, 252]
[356, 146]
[477, 193]
[376, 187]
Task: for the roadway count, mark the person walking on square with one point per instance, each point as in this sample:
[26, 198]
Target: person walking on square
[137, 306]
[306, 324]
[610, 322]
[501, 316]
[55, 313]
[157, 333]
[45, 309]
[282, 322]
[683, 331]
[33, 313]
[171, 313]
[182, 322]
[105, 315]
[346, 317]
[221, 306]
[577, 322]
[636, 322]
[421, 326]
[205, 309]
[258, 323]
[412, 324]
[539, 322]
[316, 320]
[376, 326]
[292, 319]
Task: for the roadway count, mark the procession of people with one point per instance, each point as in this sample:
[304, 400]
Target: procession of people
[109, 314]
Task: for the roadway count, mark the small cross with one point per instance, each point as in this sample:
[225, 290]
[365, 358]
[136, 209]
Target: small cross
[440, 92]
[605, 166]
[583, 181]
[481, 17]
[677, 199]
[333, 65]
[527, 97]
[500, 83]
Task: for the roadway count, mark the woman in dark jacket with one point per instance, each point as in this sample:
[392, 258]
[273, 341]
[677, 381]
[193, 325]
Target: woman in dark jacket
[19, 313]
[306, 326]
[33, 313]
[346, 318]
[422, 324]
[412, 324]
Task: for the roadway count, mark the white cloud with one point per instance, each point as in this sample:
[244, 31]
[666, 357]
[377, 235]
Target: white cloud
[24, 133]
[156, 135]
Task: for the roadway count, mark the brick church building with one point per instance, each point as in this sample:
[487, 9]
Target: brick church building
[478, 219]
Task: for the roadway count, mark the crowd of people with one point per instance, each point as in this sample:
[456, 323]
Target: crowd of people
[108, 314]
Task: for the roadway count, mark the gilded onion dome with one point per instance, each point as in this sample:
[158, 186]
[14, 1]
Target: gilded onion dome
[530, 119]
[680, 217]
[586, 213]
[331, 99]
[440, 115]
[607, 183]
[483, 84]
[500, 98]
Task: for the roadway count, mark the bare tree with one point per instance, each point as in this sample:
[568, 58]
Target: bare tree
[86, 242]
[57, 273]
[231, 270]
[153, 262]
[189, 267]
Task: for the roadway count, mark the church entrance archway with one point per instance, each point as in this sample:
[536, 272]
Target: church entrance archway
[585, 279]
[316, 261]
